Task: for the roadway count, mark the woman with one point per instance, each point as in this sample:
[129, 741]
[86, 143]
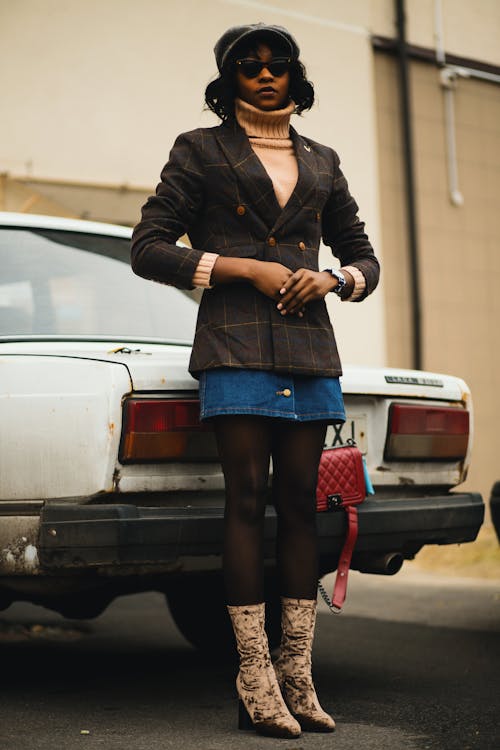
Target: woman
[255, 198]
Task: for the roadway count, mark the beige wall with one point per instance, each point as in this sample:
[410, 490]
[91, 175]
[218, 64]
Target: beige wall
[394, 235]
[95, 92]
[458, 245]
[469, 28]
[102, 89]
[15, 195]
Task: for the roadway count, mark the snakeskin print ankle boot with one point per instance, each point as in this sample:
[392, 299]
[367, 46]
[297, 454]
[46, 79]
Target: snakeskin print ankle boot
[261, 703]
[293, 666]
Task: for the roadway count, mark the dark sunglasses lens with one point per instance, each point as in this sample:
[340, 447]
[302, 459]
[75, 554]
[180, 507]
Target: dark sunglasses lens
[278, 69]
[250, 68]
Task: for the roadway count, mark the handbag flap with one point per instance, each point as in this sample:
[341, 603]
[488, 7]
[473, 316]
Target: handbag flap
[340, 474]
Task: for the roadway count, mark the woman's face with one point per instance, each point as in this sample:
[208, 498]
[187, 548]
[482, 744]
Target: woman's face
[265, 91]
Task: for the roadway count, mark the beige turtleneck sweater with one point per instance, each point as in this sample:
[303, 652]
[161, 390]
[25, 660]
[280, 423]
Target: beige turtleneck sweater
[269, 136]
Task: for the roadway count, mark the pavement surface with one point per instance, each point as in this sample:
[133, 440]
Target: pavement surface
[412, 662]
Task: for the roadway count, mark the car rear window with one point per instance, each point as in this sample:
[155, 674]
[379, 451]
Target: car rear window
[71, 283]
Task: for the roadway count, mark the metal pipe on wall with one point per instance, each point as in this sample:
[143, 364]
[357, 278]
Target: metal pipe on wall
[411, 212]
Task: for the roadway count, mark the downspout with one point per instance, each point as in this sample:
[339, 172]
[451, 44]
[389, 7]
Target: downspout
[411, 217]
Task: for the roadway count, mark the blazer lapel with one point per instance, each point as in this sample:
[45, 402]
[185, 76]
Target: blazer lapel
[306, 183]
[253, 179]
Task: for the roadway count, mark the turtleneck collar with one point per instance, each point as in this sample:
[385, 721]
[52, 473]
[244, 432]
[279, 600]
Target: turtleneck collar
[258, 123]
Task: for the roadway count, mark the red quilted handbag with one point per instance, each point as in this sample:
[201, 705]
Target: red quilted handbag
[341, 485]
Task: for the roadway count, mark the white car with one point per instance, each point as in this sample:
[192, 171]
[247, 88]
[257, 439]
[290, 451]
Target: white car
[108, 482]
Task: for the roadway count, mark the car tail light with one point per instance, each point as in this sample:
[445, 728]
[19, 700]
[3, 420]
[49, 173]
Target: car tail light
[427, 432]
[159, 429]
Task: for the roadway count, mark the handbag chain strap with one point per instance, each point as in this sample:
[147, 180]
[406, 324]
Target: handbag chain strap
[334, 610]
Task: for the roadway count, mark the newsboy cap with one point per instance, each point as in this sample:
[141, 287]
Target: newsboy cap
[236, 34]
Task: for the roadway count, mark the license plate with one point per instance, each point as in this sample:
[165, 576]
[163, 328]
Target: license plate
[352, 429]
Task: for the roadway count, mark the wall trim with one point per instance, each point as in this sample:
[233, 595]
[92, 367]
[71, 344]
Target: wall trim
[428, 55]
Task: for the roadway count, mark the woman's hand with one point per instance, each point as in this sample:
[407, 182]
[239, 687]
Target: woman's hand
[270, 278]
[304, 286]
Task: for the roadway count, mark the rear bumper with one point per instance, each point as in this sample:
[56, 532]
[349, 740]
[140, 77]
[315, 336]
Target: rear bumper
[495, 507]
[91, 536]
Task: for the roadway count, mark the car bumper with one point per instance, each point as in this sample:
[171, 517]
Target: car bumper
[90, 536]
[495, 508]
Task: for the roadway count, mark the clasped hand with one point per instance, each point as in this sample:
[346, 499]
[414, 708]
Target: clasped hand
[292, 290]
[302, 287]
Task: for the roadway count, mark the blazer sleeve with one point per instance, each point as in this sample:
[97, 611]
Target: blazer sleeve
[345, 233]
[168, 214]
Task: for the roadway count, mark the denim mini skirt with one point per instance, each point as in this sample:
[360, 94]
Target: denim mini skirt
[300, 398]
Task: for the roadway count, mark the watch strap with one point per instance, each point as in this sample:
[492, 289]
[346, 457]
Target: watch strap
[340, 278]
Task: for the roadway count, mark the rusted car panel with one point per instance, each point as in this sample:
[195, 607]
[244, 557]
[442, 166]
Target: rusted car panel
[19, 545]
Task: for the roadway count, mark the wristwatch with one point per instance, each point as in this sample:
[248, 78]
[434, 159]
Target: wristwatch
[340, 278]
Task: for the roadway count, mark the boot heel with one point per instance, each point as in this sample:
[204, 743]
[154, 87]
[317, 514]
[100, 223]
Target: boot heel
[244, 720]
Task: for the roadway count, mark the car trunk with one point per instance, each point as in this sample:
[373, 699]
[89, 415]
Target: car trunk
[190, 475]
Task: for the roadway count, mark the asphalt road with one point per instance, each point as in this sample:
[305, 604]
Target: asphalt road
[413, 663]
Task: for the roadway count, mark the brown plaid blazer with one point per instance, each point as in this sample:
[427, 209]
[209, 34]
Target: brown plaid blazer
[215, 189]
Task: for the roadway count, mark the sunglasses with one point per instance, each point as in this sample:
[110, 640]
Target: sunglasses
[252, 68]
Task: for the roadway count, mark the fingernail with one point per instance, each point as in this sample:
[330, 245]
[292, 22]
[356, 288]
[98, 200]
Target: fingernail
[283, 312]
[282, 291]
[279, 306]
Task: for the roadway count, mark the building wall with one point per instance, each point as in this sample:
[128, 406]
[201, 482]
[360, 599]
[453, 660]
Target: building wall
[458, 244]
[394, 234]
[94, 93]
[102, 89]
[468, 29]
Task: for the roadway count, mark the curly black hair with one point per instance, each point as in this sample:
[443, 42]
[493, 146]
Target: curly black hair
[221, 93]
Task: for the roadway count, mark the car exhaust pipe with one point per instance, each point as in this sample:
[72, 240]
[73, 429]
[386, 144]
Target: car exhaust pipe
[384, 565]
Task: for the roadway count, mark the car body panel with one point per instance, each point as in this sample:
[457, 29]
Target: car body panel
[60, 426]
[161, 369]
[73, 518]
[36, 221]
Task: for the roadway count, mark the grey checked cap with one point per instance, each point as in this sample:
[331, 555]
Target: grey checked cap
[236, 34]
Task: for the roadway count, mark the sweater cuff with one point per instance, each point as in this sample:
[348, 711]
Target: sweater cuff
[359, 283]
[203, 271]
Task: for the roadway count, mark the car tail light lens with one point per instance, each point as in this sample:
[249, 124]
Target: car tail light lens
[159, 429]
[427, 432]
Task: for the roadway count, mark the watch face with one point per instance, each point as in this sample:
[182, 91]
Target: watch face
[340, 278]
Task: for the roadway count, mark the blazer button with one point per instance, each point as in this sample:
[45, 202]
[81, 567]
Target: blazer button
[287, 392]
[302, 246]
[318, 216]
[271, 241]
[241, 210]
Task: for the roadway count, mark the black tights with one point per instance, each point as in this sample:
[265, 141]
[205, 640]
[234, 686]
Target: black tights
[246, 443]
